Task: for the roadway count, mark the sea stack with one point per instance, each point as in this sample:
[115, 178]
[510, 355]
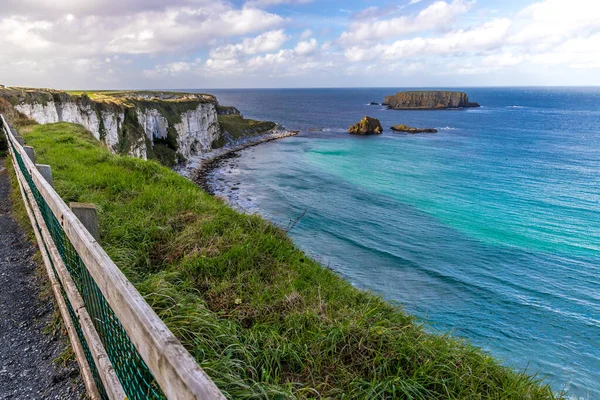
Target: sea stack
[410, 129]
[366, 126]
[428, 100]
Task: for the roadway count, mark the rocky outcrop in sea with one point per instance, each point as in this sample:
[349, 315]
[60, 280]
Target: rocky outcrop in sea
[410, 129]
[428, 100]
[366, 126]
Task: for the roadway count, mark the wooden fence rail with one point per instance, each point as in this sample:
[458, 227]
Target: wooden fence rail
[174, 370]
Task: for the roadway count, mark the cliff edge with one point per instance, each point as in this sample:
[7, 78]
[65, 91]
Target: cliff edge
[428, 100]
[170, 127]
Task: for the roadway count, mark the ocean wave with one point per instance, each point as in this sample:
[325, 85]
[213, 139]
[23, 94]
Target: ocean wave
[530, 302]
[516, 107]
[446, 128]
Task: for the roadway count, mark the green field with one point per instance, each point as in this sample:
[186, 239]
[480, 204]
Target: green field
[262, 318]
[240, 127]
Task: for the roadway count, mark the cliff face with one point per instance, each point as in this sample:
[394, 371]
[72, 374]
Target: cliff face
[168, 127]
[104, 123]
[428, 100]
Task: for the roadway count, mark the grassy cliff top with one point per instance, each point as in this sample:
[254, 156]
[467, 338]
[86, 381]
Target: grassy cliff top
[120, 97]
[152, 95]
[262, 318]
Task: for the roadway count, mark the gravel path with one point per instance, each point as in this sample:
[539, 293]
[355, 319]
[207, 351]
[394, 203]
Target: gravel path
[27, 366]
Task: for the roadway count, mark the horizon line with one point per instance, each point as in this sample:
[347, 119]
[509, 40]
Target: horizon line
[323, 87]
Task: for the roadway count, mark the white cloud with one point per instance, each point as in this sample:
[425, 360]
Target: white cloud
[263, 43]
[548, 38]
[487, 36]
[270, 60]
[376, 12]
[174, 68]
[19, 33]
[577, 53]
[306, 47]
[64, 32]
[552, 21]
[56, 8]
[306, 34]
[435, 17]
[146, 32]
[288, 63]
[502, 60]
[222, 66]
[107, 42]
[269, 3]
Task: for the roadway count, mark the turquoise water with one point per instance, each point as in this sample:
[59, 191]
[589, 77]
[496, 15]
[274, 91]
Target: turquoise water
[489, 228]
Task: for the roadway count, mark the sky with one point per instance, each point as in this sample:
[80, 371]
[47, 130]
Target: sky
[184, 44]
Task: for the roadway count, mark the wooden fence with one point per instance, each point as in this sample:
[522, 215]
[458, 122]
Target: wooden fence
[123, 348]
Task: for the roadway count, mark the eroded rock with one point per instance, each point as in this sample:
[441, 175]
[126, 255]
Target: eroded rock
[366, 126]
[428, 100]
[410, 129]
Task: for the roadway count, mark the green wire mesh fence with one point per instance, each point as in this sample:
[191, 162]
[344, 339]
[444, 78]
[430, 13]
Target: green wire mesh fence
[133, 373]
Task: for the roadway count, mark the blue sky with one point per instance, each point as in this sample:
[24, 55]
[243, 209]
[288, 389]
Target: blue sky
[101, 44]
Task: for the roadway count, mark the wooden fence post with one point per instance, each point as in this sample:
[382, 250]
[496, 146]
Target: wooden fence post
[30, 153]
[46, 172]
[86, 213]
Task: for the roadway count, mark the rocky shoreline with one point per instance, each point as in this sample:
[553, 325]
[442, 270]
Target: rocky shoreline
[198, 168]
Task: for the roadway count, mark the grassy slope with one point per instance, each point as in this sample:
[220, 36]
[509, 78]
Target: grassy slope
[240, 127]
[259, 316]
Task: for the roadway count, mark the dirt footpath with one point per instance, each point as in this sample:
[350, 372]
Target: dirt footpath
[28, 369]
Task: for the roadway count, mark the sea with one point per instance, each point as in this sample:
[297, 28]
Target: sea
[488, 229]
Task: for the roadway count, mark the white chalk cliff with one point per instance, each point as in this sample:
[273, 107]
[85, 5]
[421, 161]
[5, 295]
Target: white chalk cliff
[196, 128]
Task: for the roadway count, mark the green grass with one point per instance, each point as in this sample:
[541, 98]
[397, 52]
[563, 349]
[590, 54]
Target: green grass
[124, 97]
[263, 319]
[239, 127]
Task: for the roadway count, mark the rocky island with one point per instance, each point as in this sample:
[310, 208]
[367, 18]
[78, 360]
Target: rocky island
[428, 100]
[366, 126]
[410, 129]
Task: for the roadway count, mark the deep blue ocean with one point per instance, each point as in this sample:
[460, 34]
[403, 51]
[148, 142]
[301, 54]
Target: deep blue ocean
[489, 228]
